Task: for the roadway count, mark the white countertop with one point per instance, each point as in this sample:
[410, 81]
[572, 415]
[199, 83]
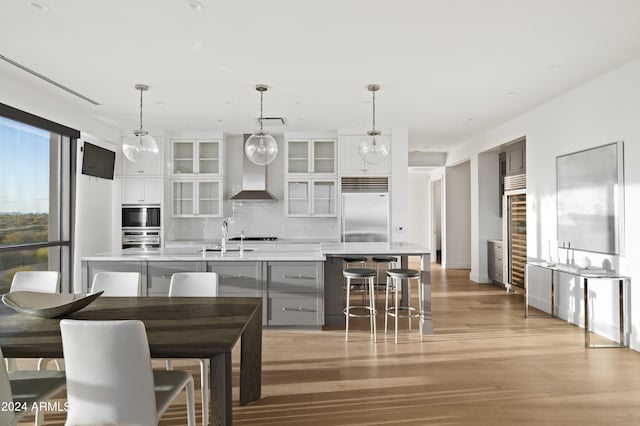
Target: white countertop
[274, 251]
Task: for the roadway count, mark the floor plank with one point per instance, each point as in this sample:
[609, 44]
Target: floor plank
[485, 365]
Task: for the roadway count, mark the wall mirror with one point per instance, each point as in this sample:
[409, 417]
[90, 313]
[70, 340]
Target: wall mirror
[590, 199]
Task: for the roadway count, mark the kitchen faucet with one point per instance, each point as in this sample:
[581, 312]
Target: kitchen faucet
[225, 232]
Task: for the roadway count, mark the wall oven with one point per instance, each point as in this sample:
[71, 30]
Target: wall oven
[140, 225]
[140, 216]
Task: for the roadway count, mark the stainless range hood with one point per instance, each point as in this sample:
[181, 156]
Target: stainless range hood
[254, 180]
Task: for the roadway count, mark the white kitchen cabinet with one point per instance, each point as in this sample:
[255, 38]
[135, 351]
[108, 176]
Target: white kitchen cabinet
[351, 164]
[311, 197]
[196, 157]
[196, 197]
[311, 157]
[141, 190]
[153, 167]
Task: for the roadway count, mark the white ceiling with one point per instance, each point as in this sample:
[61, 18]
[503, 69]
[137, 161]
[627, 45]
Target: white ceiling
[447, 68]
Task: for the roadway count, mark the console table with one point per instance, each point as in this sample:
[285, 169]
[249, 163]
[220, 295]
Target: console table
[585, 276]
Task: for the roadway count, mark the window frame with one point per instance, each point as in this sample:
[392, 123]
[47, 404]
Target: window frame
[66, 178]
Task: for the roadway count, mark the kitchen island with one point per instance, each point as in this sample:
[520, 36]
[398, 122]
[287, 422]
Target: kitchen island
[300, 284]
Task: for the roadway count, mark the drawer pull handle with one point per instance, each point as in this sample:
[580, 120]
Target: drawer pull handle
[233, 276]
[299, 309]
[300, 277]
[165, 277]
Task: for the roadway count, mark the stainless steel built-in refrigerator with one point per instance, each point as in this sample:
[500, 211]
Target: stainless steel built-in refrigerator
[365, 217]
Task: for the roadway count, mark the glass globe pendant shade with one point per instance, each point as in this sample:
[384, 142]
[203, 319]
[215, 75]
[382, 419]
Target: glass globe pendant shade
[372, 150]
[140, 147]
[261, 148]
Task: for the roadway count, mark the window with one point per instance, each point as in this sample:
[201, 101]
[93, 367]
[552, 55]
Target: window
[37, 159]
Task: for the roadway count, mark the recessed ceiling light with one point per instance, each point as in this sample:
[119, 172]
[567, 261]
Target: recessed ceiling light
[38, 6]
[194, 5]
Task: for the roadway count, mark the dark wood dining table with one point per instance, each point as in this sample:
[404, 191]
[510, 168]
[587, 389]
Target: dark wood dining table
[177, 327]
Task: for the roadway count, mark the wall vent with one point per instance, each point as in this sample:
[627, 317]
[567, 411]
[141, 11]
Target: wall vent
[515, 182]
[48, 80]
[365, 184]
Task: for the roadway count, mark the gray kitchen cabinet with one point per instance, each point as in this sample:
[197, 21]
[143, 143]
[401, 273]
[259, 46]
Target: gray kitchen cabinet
[238, 279]
[159, 275]
[516, 159]
[89, 269]
[494, 257]
[295, 293]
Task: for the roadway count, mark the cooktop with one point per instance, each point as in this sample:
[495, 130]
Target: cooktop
[254, 238]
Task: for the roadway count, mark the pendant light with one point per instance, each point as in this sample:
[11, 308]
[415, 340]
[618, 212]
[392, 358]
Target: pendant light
[373, 150]
[140, 147]
[261, 148]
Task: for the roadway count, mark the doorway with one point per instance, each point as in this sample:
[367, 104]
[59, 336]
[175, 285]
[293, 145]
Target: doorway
[436, 215]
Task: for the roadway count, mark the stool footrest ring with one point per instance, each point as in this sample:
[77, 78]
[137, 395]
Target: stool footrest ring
[411, 312]
[347, 311]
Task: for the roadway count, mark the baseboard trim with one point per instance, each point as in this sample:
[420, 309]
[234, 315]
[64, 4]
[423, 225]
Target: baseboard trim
[456, 266]
[480, 279]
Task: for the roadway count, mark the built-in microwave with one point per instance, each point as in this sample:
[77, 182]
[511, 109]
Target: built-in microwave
[136, 216]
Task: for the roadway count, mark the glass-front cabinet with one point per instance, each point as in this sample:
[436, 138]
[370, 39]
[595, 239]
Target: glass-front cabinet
[196, 197]
[196, 157]
[310, 177]
[311, 197]
[311, 156]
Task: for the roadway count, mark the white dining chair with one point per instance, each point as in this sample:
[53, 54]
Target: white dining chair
[24, 388]
[196, 284]
[110, 379]
[40, 281]
[117, 284]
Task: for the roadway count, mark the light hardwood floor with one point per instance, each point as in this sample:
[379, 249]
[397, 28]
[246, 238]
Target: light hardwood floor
[485, 365]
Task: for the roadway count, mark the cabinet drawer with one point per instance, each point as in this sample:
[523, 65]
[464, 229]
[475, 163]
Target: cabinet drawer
[159, 275]
[237, 279]
[295, 309]
[292, 276]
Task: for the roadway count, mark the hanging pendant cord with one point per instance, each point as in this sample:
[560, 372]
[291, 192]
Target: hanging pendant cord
[261, 93]
[374, 110]
[140, 110]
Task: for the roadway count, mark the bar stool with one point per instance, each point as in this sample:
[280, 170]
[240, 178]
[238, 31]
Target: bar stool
[353, 261]
[370, 310]
[396, 276]
[383, 260]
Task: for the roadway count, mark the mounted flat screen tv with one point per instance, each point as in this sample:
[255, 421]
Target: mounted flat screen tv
[98, 161]
[591, 199]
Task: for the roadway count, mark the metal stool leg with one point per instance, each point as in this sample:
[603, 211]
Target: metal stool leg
[396, 286]
[386, 304]
[348, 285]
[372, 306]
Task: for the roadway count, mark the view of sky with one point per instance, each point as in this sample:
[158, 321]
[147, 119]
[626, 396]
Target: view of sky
[24, 168]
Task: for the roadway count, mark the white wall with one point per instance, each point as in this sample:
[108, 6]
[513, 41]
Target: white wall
[486, 223]
[456, 194]
[399, 184]
[94, 212]
[419, 210]
[601, 111]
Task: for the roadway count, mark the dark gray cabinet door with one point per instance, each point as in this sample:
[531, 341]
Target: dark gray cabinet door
[295, 293]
